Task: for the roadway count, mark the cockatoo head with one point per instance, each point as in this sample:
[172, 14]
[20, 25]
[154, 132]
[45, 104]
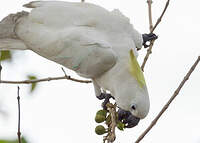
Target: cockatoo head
[133, 105]
[132, 97]
[139, 105]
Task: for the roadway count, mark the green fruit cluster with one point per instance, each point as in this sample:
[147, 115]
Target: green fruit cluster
[103, 116]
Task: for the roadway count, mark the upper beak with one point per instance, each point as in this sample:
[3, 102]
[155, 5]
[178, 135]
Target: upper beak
[127, 118]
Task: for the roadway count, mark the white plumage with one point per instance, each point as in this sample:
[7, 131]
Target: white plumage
[85, 38]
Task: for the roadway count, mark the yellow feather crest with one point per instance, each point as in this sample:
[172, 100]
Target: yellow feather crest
[135, 70]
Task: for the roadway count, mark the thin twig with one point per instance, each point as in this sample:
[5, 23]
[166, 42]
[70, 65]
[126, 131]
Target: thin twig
[44, 79]
[18, 132]
[169, 101]
[149, 51]
[149, 2]
[64, 71]
[161, 16]
[111, 134]
[113, 124]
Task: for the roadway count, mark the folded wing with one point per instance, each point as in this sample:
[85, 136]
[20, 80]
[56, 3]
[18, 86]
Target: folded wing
[62, 33]
[86, 51]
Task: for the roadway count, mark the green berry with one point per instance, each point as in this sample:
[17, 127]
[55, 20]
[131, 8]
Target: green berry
[102, 112]
[100, 118]
[100, 130]
[120, 126]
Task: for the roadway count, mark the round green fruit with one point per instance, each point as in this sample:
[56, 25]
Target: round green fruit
[100, 130]
[102, 112]
[100, 118]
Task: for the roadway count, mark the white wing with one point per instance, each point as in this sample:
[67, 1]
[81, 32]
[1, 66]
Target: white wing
[67, 33]
[85, 53]
[61, 14]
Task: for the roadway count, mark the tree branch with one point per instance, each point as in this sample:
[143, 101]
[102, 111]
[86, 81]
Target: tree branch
[161, 16]
[149, 51]
[149, 2]
[169, 101]
[18, 132]
[45, 79]
[110, 138]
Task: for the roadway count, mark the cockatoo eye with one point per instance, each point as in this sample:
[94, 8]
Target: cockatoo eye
[133, 107]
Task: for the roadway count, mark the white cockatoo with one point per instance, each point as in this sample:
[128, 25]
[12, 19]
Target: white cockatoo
[88, 39]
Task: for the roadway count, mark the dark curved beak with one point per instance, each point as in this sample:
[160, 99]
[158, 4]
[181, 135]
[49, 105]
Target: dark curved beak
[127, 118]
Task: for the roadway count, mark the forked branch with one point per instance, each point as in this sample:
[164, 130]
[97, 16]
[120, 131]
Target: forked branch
[45, 79]
[161, 16]
[149, 51]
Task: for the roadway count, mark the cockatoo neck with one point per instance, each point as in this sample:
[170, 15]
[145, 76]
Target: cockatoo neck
[127, 87]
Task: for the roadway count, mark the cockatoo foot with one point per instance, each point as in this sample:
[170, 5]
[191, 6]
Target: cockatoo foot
[102, 96]
[127, 118]
[147, 38]
[106, 97]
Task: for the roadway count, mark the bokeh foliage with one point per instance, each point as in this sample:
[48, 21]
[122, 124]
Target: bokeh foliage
[23, 140]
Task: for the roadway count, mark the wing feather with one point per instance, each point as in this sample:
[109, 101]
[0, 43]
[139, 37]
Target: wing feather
[87, 52]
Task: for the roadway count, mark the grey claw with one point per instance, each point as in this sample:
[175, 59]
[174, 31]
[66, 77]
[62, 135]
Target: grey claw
[101, 96]
[104, 103]
[106, 97]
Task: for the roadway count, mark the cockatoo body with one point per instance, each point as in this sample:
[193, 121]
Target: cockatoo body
[89, 40]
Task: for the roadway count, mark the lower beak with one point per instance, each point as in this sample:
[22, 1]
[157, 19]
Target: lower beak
[127, 118]
[132, 121]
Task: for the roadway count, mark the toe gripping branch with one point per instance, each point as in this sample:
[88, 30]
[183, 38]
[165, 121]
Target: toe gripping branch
[148, 38]
[106, 98]
[124, 116]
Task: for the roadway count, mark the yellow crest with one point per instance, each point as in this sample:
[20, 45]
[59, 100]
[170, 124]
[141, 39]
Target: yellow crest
[135, 70]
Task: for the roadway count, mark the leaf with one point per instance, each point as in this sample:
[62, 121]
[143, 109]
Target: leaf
[120, 126]
[6, 55]
[33, 85]
[4, 141]
[23, 140]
